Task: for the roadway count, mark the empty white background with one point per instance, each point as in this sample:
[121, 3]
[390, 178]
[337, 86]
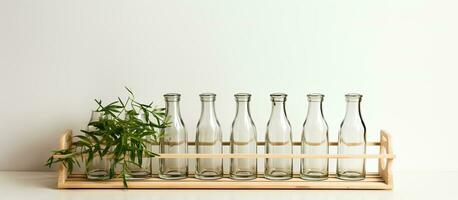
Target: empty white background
[56, 56]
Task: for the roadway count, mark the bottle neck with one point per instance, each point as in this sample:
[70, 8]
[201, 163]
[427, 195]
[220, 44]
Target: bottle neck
[314, 111]
[278, 110]
[173, 110]
[243, 109]
[208, 111]
[353, 111]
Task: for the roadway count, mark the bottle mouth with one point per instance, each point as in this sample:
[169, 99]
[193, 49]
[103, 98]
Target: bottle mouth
[278, 97]
[242, 96]
[172, 97]
[207, 97]
[315, 97]
[353, 97]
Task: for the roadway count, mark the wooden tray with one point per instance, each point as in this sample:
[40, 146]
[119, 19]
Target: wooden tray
[381, 180]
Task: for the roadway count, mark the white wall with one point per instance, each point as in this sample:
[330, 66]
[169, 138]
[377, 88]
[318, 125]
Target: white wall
[56, 56]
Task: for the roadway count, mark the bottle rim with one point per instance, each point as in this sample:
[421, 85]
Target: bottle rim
[172, 96]
[353, 97]
[278, 94]
[278, 97]
[242, 96]
[315, 97]
[207, 96]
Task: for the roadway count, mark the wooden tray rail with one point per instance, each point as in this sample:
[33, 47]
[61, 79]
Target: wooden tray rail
[379, 180]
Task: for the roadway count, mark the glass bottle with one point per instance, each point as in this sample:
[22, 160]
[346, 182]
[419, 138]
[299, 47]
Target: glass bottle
[243, 140]
[208, 140]
[314, 140]
[175, 140]
[278, 141]
[97, 168]
[352, 140]
[143, 171]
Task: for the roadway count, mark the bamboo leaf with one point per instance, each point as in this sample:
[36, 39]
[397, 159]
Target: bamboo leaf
[126, 140]
[130, 91]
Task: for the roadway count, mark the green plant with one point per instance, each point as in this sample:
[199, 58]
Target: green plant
[124, 139]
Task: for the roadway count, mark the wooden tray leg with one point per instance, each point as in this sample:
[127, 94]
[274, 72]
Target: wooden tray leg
[384, 165]
[64, 143]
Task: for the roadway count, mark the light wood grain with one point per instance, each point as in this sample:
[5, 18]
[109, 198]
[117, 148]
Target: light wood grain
[380, 180]
[64, 143]
[384, 166]
[226, 183]
[372, 181]
[251, 155]
[296, 143]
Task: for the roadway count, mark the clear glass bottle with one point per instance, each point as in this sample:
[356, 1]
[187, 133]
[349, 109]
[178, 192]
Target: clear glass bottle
[352, 140]
[243, 140]
[97, 168]
[175, 140]
[315, 140]
[278, 141]
[208, 140]
[144, 170]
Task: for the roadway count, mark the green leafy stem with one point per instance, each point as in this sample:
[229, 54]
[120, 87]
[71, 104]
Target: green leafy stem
[124, 135]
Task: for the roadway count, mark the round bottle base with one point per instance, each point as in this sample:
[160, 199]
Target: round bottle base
[173, 175]
[138, 175]
[208, 175]
[278, 175]
[243, 175]
[351, 176]
[97, 175]
[314, 176]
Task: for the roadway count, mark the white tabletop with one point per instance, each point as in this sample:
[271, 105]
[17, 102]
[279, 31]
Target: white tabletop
[408, 185]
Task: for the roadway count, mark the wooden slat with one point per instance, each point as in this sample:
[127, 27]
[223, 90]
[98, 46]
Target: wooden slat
[64, 143]
[80, 176]
[384, 166]
[226, 183]
[262, 143]
[379, 180]
[253, 155]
